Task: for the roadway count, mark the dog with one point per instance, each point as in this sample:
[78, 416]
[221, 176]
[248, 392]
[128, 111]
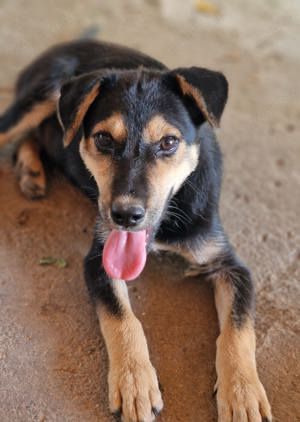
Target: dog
[120, 123]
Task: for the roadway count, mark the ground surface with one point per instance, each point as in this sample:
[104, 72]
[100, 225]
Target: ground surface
[53, 362]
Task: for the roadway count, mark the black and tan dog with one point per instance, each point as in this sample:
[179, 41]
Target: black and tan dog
[144, 133]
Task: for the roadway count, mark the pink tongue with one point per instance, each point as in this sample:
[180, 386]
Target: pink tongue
[124, 254]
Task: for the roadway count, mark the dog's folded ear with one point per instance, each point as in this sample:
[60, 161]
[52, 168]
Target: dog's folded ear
[76, 96]
[203, 91]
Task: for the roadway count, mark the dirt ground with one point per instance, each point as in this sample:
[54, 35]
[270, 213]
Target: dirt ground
[52, 359]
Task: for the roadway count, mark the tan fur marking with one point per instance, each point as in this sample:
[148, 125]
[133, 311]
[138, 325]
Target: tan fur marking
[224, 300]
[236, 357]
[209, 250]
[81, 111]
[206, 253]
[114, 125]
[29, 170]
[236, 354]
[132, 380]
[28, 153]
[100, 166]
[123, 338]
[188, 89]
[197, 256]
[239, 390]
[125, 200]
[30, 121]
[157, 128]
[171, 173]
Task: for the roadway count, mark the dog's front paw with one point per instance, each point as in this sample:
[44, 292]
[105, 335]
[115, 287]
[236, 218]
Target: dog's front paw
[134, 392]
[242, 400]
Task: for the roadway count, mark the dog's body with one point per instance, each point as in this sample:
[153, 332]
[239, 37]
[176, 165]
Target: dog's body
[143, 133]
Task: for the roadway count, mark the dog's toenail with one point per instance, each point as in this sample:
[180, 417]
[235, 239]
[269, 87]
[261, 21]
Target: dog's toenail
[155, 411]
[117, 415]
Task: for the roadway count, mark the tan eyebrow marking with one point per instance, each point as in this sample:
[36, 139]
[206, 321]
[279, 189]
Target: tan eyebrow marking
[158, 127]
[114, 125]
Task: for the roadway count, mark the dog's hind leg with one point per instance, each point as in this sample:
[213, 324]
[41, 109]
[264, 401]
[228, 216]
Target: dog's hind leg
[24, 115]
[29, 169]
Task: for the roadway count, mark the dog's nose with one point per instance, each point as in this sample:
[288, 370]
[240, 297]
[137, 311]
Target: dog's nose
[127, 215]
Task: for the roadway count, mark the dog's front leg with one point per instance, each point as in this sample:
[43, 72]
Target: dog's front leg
[240, 395]
[133, 386]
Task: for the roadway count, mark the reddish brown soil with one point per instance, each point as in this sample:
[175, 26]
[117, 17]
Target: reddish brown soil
[53, 364]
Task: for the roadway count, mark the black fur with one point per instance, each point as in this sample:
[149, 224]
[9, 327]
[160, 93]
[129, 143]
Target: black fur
[100, 80]
[243, 289]
[212, 85]
[199, 195]
[98, 283]
[138, 86]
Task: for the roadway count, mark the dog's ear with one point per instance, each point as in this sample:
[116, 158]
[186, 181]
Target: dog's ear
[76, 96]
[204, 92]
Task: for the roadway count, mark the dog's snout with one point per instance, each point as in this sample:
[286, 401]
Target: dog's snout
[127, 215]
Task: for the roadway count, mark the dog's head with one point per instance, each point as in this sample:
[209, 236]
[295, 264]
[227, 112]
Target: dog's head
[140, 136]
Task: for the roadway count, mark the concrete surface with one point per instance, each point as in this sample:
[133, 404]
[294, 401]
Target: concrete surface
[52, 358]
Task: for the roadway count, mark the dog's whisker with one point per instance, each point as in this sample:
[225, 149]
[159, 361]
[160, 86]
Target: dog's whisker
[179, 217]
[182, 212]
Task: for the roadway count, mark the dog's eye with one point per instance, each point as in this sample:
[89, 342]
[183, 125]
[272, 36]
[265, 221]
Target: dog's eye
[104, 142]
[168, 144]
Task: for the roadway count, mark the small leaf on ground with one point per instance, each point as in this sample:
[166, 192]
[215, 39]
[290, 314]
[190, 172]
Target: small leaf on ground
[49, 260]
[61, 263]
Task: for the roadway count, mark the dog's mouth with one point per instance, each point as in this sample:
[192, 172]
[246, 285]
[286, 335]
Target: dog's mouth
[125, 253]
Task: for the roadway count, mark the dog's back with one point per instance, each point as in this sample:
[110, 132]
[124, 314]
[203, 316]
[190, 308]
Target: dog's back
[58, 64]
